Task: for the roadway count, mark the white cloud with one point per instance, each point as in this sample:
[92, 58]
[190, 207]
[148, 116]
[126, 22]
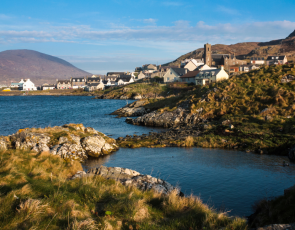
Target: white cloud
[227, 10]
[181, 31]
[4, 17]
[150, 20]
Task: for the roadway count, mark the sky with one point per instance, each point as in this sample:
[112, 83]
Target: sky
[119, 35]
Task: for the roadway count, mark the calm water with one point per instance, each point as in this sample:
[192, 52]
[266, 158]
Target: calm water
[227, 180]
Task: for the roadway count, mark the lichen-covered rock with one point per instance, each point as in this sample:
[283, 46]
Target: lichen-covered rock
[69, 151]
[134, 109]
[26, 140]
[77, 127]
[90, 130]
[93, 145]
[130, 177]
[3, 143]
[278, 227]
[63, 140]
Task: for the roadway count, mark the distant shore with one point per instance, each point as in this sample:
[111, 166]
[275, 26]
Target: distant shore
[55, 92]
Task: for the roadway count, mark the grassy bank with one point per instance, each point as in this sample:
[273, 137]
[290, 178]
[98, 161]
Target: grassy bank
[259, 106]
[35, 193]
[277, 210]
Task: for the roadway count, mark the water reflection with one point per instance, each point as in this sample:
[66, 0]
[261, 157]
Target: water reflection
[225, 178]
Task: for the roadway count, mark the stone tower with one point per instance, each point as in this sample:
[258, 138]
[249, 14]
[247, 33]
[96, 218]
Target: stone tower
[207, 54]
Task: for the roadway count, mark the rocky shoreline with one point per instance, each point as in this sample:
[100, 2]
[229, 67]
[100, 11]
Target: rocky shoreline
[70, 142]
[129, 177]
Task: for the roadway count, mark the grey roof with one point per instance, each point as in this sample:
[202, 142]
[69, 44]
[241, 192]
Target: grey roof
[93, 84]
[48, 85]
[63, 81]
[80, 78]
[125, 78]
[179, 71]
[220, 56]
[257, 58]
[117, 73]
[269, 58]
[16, 83]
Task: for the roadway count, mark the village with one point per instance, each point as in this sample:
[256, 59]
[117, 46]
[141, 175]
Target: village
[210, 68]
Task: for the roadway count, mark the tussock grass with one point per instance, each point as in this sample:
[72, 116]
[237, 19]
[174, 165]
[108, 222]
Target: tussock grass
[38, 195]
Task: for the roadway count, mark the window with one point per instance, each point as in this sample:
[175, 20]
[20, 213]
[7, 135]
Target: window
[168, 79]
[78, 79]
[73, 79]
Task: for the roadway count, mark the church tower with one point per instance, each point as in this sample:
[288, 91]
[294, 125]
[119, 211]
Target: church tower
[207, 54]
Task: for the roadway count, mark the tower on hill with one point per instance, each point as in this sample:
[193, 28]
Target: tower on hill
[207, 54]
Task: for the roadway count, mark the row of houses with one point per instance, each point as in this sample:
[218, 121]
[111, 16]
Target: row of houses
[96, 82]
[88, 83]
[209, 68]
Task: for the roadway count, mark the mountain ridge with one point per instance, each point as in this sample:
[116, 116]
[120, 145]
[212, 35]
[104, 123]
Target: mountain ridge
[246, 50]
[39, 67]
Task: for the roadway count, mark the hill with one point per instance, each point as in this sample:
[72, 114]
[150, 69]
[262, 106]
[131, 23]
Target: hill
[39, 67]
[246, 50]
[253, 111]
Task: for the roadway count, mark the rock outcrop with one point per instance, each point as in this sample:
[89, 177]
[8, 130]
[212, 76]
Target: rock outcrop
[134, 109]
[167, 119]
[278, 227]
[71, 141]
[3, 143]
[130, 177]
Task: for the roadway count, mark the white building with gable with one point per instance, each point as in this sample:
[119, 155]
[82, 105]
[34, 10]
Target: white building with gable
[28, 84]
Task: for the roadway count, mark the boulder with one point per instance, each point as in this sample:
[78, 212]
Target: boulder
[93, 145]
[137, 97]
[77, 127]
[130, 177]
[69, 151]
[90, 130]
[226, 122]
[4, 143]
[26, 140]
[63, 140]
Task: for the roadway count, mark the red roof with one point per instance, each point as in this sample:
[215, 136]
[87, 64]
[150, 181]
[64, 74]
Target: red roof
[190, 74]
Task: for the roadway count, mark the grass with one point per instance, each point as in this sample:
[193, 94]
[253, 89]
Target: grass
[260, 107]
[35, 193]
[276, 210]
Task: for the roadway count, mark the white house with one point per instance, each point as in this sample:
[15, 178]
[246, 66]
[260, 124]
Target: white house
[124, 79]
[47, 87]
[257, 60]
[247, 68]
[94, 86]
[205, 77]
[141, 75]
[276, 60]
[193, 64]
[174, 74]
[204, 67]
[28, 85]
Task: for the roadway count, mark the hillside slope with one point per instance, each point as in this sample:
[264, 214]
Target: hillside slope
[246, 50]
[253, 111]
[39, 67]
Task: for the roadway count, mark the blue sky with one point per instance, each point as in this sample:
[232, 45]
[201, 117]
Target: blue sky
[101, 36]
